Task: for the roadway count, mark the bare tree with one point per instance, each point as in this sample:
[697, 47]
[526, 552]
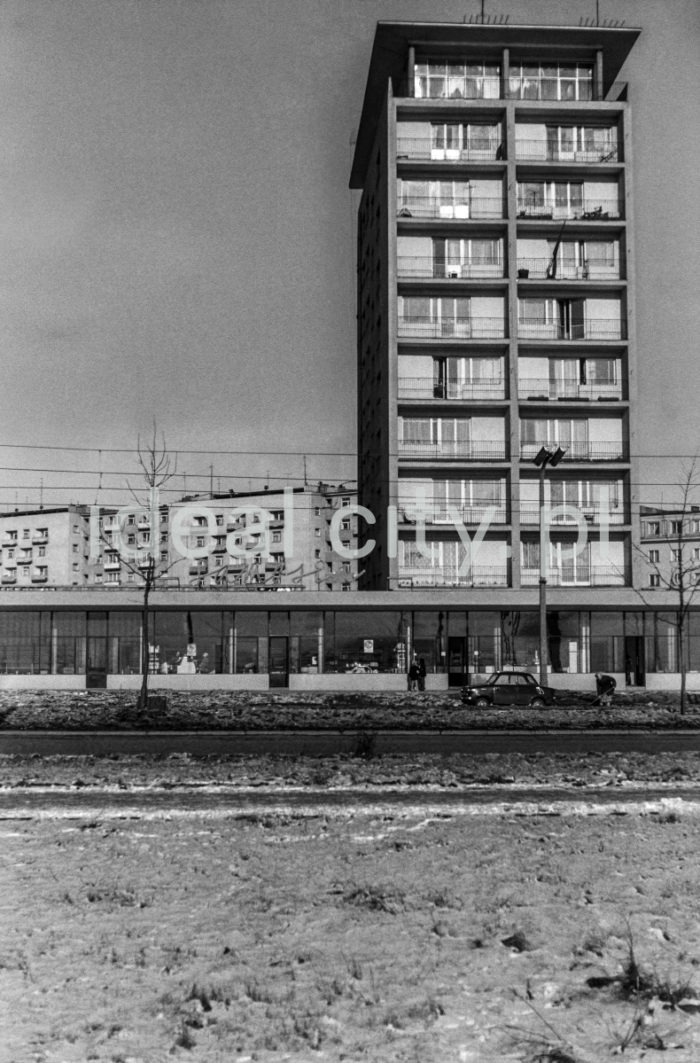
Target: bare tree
[682, 577]
[156, 468]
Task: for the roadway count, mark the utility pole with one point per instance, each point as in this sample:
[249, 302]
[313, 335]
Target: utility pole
[544, 458]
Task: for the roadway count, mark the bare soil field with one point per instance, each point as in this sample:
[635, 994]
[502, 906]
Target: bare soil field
[396, 937]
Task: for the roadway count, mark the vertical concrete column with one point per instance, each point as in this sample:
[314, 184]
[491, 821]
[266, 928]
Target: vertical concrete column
[411, 71]
[598, 76]
[505, 73]
[512, 377]
[320, 650]
[585, 642]
[232, 650]
[53, 666]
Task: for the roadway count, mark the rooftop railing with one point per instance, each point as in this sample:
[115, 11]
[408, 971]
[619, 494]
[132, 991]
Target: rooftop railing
[593, 576]
[430, 266]
[432, 207]
[425, 148]
[427, 388]
[594, 208]
[544, 388]
[546, 269]
[594, 328]
[530, 514]
[476, 576]
[439, 328]
[531, 150]
[586, 450]
[490, 450]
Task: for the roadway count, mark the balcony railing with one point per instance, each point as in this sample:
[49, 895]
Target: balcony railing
[424, 148]
[547, 269]
[592, 576]
[427, 388]
[472, 328]
[544, 388]
[588, 450]
[24, 560]
[477, 451]
[9, 579]
[430, 207]
[530, 514]
[600, 328]
[429, 266]
[477, 576]
[40, 578]
[592, 209]
[40, 538]
[9, 541]
[436, 513]
[527, 150]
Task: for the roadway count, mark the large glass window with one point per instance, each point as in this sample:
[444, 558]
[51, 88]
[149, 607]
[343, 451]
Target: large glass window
[366, 642]
[25, 642]
[474, 80]
[186, 641]
[551, 81]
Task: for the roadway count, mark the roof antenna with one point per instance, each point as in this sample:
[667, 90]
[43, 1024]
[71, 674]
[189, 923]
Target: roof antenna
[597, 12]
[306, 482]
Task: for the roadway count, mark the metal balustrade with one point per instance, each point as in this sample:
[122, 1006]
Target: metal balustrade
[601, 328]
[432, 207]
[598, 209]
[545, 388]
[476, 576]
[581, 576]
[562, 269]
[538, 150]
[448, 328]
[430, 266]
[580, 450]
[425, 148]
[436, 512]
[593, 514]
[490, 450]
[427, 388]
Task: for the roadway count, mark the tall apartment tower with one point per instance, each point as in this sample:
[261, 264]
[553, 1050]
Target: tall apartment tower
[495, 302]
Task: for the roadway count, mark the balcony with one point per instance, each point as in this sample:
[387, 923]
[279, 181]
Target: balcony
[428, 266]
[450, 451]
[425, 148]
[544, 388]
[593, 514]
[600, 328]
[467, 329]
[40, 538]
[112, 565]
[531, 150]
[435, 513]
[583, 576]
[25, 559]
[581, 450]
[474, 391]
[8, 579]
[591, 209]
[431, 207]
[111, 525]
[40, 577]
[545, 269]
[9, 540]
[477, 576]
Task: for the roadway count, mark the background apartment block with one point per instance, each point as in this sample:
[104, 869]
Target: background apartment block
[495, 300]
[666, 534]
[41, 547]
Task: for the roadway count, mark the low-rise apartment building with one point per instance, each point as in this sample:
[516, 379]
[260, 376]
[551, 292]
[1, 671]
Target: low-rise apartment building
[45, 546]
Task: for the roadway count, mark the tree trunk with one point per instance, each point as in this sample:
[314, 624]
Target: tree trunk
[682, 662]
[145, 648]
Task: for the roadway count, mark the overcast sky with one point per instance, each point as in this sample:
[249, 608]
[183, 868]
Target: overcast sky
[178, 234]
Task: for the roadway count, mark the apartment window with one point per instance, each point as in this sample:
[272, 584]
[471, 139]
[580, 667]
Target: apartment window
[317, 533]
[164, 517]
[199, 540]
[654, 556]
[277, 537]
[219, 519]
[98, 577]
[654, 579]
[164, 537]
[75, 548]
[346, 566]
[551, 81]
[653, 527]
[696, 553]
[75, 566]
[131, 540]
[164, 555]
[345, 501]
[26, 532]
[10, 554]
[200, 522]
[131, 519]
[675, 527]
[470, 81]
[42, 551]
[43, 532]
[12, 535]
[317, 511]
[676, 555]
[317, 554]
[345, 525]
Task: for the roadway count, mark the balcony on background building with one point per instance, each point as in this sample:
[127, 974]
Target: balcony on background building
[40, 577]
[9, 578]
[487, 450]
[537, 150]
[437, 512]
[599, 328]
[591, 208]
[545, 388]
[429, 266]
[584, 576]
[112, 564]
[489, 150]
[472, 391]
[477, 207]
[40, 538]
[580, 450]
[592, 514]
[476, 576]
[468, 328]
[593, 269]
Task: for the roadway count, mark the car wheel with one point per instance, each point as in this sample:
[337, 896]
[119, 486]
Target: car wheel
[481, 703]
[537, 703]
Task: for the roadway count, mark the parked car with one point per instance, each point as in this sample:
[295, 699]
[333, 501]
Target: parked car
[508, 688]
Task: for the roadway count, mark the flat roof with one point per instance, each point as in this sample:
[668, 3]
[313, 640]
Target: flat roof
[392, 39]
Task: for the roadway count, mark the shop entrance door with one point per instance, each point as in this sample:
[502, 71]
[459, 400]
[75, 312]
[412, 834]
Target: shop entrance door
[635, 671]
[278, 666]
[457, 665]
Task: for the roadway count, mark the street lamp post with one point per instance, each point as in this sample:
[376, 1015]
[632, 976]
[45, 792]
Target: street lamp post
[544, 458]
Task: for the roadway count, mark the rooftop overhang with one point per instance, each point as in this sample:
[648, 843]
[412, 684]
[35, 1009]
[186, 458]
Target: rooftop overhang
[392, 40]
